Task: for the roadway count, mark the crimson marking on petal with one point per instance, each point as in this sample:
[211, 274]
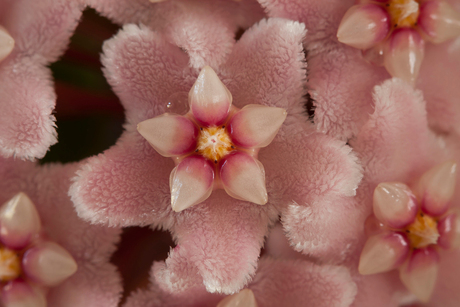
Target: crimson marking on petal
[449, 231]
[19, 293]
[439, 21]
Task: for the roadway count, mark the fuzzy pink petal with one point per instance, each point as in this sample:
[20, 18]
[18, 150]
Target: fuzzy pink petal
[311, 178]
[267, 66]
[218, 244]
[27, 126]
[144, 70]
[126, 185]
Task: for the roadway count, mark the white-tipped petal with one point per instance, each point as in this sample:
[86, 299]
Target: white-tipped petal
[439, 21]
[383, 252]
[191, 182]
[209, 98]
[6, 43]
[436, 188]
[170, 134]
[404, 54]
[20, 294]
[244, 298]
[363, 26]
[420, 272]
[243, 177]
[19, 221]
[48, 264]
[256, 125]
[394, 204]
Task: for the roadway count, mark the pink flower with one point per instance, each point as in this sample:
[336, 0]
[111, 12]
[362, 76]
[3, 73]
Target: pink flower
[341, 81]
[393, 32]
[48, 256]
[39, 32]
[310, 177]
[214, 145]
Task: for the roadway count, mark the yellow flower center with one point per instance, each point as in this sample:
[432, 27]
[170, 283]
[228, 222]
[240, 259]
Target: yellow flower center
[214, 143]
[10, 264]
[423, 232]
[404, 13]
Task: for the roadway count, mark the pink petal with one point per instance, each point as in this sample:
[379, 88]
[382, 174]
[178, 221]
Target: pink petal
[403, 54]
[243, 298]
[218, 244]
[267, 66]
[243, 177]
[209, 98]
[126, 185]
[6, 43]
[383, 252]
[48, 264]
[191, 182]
[449, 231]
[394, 204]
[420, 272]
[19, 293]
[19, 222]
[363, 26]
[170, 134]
[436, 188]
[311, 178]
[439, 21]
[446, 292]
[256, 125]
[131, 59]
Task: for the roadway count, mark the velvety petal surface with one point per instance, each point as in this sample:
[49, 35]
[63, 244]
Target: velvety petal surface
[91, 246]
[218, 244]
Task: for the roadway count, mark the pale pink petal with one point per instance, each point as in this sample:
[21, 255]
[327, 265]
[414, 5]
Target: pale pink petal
[20, 294]
[403, 54]
[218, 244]
[243, 298]
[19, 222]
[394, 204]
[145, 71]
[256, 126]
[209, 98]
[6, 43]
[446, 292]
[267, 66]
[48, 263]
[311, 178]
[439, 21]
[363, 26]
[420, 272]
[169, 134]
[449, 231]
[243, 177]
[436, 188]
[126, 185]
[383, 252]
[191, 182]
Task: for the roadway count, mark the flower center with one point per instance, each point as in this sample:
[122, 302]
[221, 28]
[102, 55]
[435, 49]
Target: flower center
[10, 264]
[423, 231]
[214, 143]
[404, 13]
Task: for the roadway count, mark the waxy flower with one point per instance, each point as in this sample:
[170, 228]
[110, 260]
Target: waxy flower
[33, 34]
[29, 262]
[409, 225]
[393, 32]
[310, 177]
[48, 256]
[214, 145]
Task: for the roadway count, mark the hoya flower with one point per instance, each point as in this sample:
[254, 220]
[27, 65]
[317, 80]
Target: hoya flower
[278, 282]
[214, 132]
[48, 256]
[32, 35]
[310, 177]
[409, 227]
[393, 32]
[341, 81]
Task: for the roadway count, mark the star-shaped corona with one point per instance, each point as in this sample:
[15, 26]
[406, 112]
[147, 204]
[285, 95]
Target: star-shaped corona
[6, 43]
[29, 262]
[409, 226]
[214, 145]
[393, 32]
